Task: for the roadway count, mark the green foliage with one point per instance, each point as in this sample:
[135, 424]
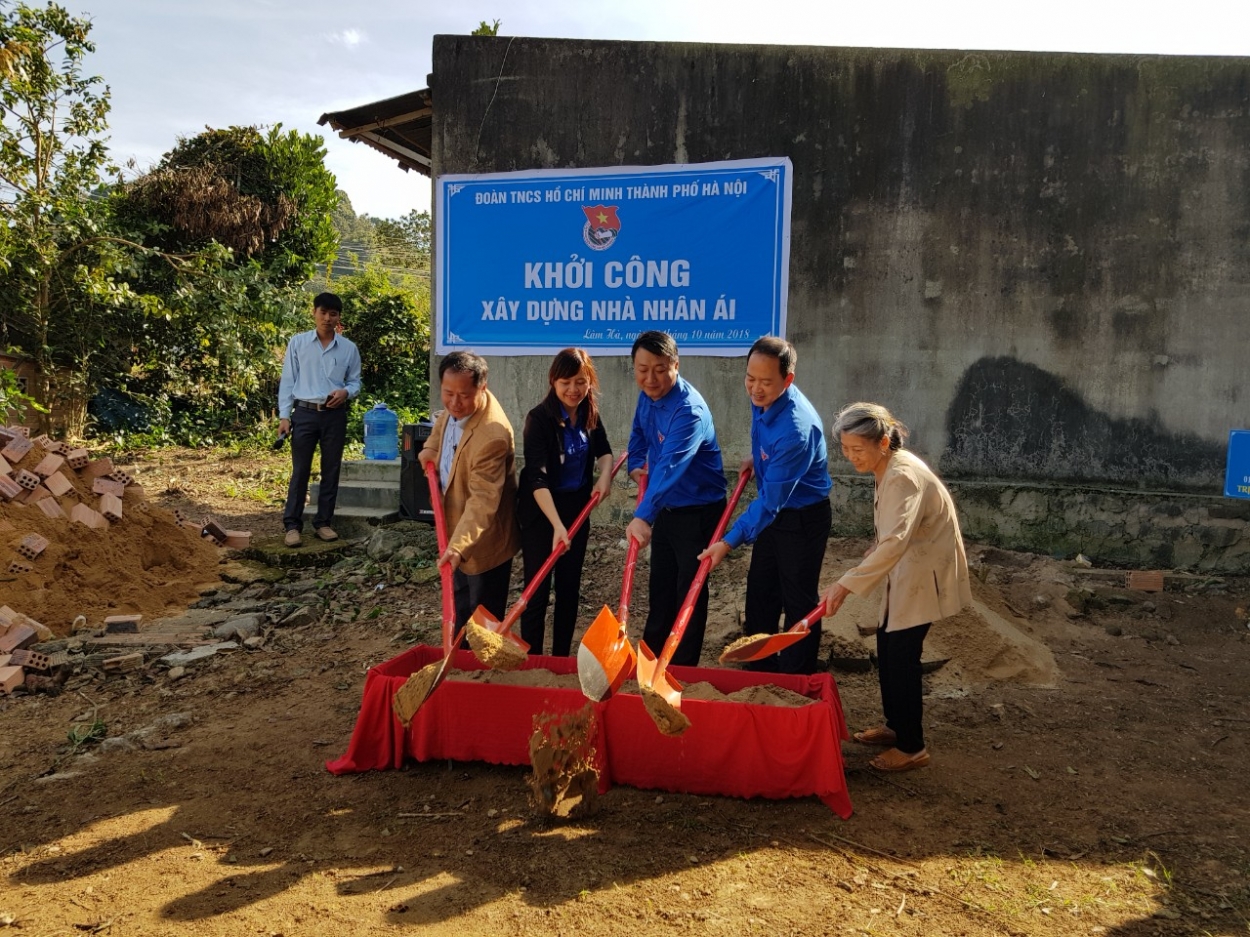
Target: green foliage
[389, 320]
[204, 348]
[404, 243]
[486, 29]
[57, 265]
[87, 733]
[266, 196]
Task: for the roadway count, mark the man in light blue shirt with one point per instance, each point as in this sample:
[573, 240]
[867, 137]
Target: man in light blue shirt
[790, 517]
[320, 373]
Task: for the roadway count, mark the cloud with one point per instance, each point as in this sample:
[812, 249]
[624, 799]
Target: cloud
[349, 37]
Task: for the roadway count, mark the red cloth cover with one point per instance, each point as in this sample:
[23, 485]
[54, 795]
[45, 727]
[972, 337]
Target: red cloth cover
[735, 749]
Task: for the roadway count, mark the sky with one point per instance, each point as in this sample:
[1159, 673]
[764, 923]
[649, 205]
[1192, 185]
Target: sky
[177, 66]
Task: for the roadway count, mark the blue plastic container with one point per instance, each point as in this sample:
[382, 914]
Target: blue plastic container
[381, 433]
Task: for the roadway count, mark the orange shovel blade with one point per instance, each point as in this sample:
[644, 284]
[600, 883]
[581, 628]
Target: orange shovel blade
[651, 676]
[605, 658]
[761, 646]
[484, 619]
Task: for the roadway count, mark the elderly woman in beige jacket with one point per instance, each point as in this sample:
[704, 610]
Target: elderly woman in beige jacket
[919, 555]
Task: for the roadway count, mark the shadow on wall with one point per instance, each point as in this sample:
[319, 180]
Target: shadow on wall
[1015, 420]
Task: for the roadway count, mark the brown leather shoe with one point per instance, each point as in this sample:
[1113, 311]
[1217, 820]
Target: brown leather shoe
[877, 735]
[292, 538]
[326, 533]
[893, 760]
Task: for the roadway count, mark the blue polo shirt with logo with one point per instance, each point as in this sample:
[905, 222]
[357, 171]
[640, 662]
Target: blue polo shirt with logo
[791, 463]
[674, 437]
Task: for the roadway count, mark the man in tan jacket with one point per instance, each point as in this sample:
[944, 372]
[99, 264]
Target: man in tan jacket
[472, 447]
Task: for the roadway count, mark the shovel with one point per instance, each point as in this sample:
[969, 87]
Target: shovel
[605, 658]
[661, 694]
[759, 646]
[410, 697]
[494, 642]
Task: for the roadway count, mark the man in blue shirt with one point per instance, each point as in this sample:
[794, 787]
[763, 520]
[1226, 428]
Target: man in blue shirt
[674, 441]
[320, 373]
[789, 519]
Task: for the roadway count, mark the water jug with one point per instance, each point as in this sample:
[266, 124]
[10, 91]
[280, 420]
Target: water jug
[381, 433]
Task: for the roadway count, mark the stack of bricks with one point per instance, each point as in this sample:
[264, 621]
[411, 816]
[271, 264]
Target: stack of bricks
[17, 662]
[55, 477]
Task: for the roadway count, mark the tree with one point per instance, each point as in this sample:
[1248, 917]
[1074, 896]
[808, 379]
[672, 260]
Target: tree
[56, 263]
[404, 243]
[265, 196]
[389, 320]
[252, 212]
[486, 29]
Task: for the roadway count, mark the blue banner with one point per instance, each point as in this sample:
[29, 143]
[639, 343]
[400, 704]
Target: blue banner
[1237, 470]
[532, 262]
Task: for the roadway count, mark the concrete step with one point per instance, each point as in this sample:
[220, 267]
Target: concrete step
[352, 523]
[383, 495]
[369, 470]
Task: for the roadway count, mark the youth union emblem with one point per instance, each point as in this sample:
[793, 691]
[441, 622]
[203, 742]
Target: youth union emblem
[602, 226]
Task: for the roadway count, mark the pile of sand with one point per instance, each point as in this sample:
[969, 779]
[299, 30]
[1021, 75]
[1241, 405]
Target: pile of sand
[764, 694]
[143, 564]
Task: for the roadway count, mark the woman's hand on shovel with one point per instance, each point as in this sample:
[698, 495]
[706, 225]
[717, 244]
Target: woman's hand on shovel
[451, 556]
[834, 596]
[559, 536]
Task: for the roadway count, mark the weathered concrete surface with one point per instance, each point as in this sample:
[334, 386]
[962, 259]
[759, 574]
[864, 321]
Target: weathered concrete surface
[1154, 530]
[1039, 261]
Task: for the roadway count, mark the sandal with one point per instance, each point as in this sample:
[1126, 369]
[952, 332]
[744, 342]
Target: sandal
[877, 735]
[894, 760]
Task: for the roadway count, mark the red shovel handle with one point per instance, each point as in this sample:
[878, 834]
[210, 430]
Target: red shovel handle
[631, 561]
[692, 596]
[444, 569]
[810, 618]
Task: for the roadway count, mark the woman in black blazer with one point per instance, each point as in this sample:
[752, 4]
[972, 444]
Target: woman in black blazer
[564, 443]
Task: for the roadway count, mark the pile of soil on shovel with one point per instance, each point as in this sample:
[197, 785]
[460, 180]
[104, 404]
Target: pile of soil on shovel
[492, 649]
[410, 697]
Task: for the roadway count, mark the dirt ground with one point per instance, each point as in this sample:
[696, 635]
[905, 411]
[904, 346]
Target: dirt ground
[1088, 777]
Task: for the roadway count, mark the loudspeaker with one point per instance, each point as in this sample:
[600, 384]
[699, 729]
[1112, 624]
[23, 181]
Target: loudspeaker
[414, 490]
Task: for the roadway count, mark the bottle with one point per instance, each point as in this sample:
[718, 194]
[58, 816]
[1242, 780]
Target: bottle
[381, 433]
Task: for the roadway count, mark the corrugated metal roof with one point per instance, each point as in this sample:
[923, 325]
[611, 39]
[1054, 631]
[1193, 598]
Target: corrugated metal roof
[398, 127]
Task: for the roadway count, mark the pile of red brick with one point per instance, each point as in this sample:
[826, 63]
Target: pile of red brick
[37, 473]
[20, 666]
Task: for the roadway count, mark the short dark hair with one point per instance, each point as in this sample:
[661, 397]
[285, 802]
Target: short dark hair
[465, 361]
[328, 301]
[657, 343]
[786, 354]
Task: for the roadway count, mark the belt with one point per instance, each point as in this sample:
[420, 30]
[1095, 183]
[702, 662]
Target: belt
[310, 405]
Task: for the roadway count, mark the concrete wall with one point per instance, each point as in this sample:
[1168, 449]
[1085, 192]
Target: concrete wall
[1040, 262]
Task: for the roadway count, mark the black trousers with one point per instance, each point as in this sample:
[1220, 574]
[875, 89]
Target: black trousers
[678, 536]
[785, 578]
[902, 694]
[488, 589]
[310, 429]
[536, 549]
